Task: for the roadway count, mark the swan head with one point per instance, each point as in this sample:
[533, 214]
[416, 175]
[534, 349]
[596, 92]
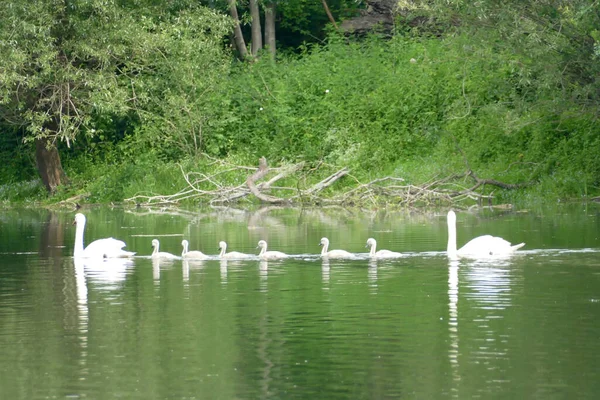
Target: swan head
[79, 219]
[154, 242]
[222, 245]
[371, 242]
[184, 243]
[262, 244]
[324, 242]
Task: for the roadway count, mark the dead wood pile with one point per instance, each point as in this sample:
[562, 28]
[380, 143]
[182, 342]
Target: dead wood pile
[218, 188]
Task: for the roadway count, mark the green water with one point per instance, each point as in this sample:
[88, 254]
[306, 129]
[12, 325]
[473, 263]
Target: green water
[418, 327]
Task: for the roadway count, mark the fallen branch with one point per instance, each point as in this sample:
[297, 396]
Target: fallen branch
[250, 182]
[213, 189]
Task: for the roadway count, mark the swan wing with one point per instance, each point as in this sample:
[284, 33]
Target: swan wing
[272, 255]
[232, 255]
[106, 248]
[387, 254]
[339, 254]
[195, 255]
[486, 246]
[163, 255]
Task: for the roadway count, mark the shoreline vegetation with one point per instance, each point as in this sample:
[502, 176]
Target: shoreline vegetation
[489, 106]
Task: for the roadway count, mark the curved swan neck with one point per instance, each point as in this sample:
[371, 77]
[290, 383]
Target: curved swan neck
[223, 247]
[155, 245]
[185, 248]
[373, 247]
[324, 249]
[451, 249]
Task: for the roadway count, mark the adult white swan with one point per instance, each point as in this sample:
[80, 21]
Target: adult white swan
[232, 255]
[101, 248]
[481, 247]
[333, 253]
[161, 255]
[191, 255]
[269, 255]
[372, 243]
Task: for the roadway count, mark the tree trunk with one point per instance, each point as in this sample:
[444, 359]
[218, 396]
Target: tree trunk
[256, 27]
[329, 15]
[240, 44]
[270, 28]
[49, 165]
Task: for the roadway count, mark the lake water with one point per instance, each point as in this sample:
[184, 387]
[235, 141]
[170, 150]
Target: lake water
[417, 327]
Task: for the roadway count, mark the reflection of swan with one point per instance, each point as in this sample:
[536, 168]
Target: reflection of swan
[263, 270]
[191, 255]
[269, 255]
[156, 254]
[232, 254]
[101, 248]
[223, 268]
[333, 253]
[185, 270]
[107, 270]
[156, 270]
[372, 274]
[381, 253]
[480, 247]
[325, 271]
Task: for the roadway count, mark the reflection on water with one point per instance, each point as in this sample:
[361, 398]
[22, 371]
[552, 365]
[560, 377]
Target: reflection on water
[223, 269]
[526, 327]
[325, 272]
[156, 270]
[372, 275]
[185, 271]
[108, 273]
[263, 270]
[489, 284]
[453, 352]
[82, 303]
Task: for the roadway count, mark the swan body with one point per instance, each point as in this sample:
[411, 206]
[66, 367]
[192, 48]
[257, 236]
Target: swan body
[269, 255]
[372, 243]
[101, 248]
[232, 255]
[333, 253]
[480, 247]
[161, 255]
[191, 255]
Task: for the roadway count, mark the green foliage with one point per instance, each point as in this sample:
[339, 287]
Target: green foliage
[506, 94]
[64, 62]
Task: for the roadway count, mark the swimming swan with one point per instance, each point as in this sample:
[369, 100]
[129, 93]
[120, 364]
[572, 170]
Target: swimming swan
[372, 243]
[269, 255]
[479, 247]
[101, 248]
[232, 255]
[191, 255]
[161, 255]
[333, 253]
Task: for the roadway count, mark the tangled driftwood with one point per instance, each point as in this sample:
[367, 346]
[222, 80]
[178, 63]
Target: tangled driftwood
[388, 190]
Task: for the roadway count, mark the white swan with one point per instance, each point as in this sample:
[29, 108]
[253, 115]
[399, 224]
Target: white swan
[372, 243]
[333, 253]
[161, 255]
[481, 247]
[101, 248]
[191, 255]
[269, 255]
[232, 255]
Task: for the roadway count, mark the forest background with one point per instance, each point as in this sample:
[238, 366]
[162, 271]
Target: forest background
[109, 99]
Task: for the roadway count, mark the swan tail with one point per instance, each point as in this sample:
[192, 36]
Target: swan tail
[517, 246]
